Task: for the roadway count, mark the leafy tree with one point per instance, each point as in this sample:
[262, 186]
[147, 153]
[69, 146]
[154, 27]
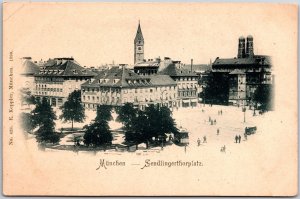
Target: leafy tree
[155, 121]
[263, 95]
[43, 112]
[98, 133]
[104, 113]
[126, 115]
[217, 89]
[72, 109]
[137, 130]
[27, 122]
[43, 117]
[27, 98]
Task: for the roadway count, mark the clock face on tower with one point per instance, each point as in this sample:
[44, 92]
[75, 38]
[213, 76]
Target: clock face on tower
[139, 48]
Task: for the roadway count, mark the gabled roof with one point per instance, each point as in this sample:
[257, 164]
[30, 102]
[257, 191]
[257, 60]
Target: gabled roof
[166, 80]
[173, 71]
[139, 35]
[67, 67]
[29, 68]
[124, 77]
[248, 61]
[197, 67]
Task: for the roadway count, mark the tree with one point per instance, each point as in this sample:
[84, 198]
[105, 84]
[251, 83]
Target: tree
[104, 113]
[263, 95]
[27, 98]
[43, 117]
[27, 122]
[72, 109]
[126, 115]
[217, 89]
[155, 121]
[137, 130]
[98, 133]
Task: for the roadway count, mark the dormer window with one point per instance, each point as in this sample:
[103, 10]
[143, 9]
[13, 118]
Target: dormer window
[116, 80]
[75, 72]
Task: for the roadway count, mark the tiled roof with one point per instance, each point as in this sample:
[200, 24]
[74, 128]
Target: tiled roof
[64, 67]
[173, 71]
[147, 64]
[256, 60]
[29, 68]
[123, 77]
[197, 67]
[158, 80]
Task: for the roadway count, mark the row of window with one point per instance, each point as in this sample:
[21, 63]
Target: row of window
[186, 79]
[136, 90]
[106, 99]
[50, 89]
[187, 93]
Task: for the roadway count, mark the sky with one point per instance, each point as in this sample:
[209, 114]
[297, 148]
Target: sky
[100, 33]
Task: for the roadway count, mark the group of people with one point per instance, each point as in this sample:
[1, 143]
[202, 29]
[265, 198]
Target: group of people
[199, 141]
[211, 121]
[220, 112]
[238, 139]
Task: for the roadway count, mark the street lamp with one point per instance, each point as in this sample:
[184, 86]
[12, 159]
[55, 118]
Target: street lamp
[244, 110]
[203, 88]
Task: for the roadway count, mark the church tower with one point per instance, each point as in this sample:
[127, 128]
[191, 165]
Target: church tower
[138, 46]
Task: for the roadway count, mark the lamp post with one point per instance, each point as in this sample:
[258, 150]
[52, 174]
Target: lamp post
[244, 110]
[203, 88]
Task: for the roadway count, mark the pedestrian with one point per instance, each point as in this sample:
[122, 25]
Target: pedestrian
[221, 112]
[199, 142]
[212, 122]
[218, 131]
[185, 149]
[245, 136]
[240, 138]
[236, 139]
[204, 139]
[215, 122]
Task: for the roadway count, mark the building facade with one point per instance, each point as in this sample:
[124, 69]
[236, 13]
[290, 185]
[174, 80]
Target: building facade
[187, 84]
[58, 78]
[245, 73]
[28, 70]
[119, 85]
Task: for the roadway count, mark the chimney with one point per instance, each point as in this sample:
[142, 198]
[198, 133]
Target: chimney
[191, 65]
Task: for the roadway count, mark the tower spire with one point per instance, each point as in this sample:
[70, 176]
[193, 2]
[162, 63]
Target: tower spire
[139, 45]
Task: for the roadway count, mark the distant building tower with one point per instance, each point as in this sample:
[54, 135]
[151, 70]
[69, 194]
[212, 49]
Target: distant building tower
[241, 50]
[249, 48]
[138, 46]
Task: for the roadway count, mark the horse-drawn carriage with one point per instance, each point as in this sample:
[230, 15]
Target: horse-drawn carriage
[181, 137]
[250, 130]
